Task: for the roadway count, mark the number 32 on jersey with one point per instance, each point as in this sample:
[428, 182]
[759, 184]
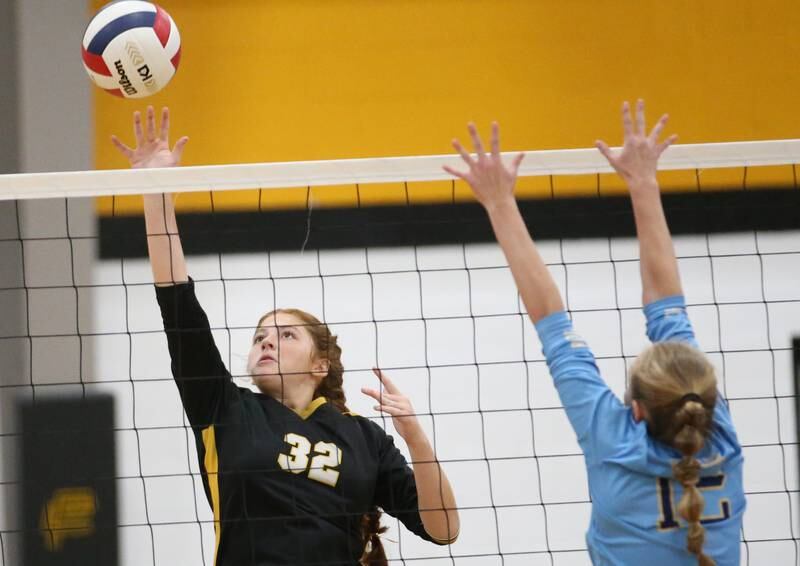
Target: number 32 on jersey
[321, 466]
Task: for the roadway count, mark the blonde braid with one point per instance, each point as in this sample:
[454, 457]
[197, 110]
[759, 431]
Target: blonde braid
[676, 385]
[691, 420]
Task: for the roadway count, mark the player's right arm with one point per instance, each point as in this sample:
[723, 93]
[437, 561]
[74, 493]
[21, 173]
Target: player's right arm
[163, 242]
[201, 376]
[589, 403]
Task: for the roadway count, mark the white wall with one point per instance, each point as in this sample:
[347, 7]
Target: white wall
[497, 423]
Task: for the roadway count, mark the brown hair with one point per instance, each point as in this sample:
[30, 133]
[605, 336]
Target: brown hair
[676, 385]
[326, 345]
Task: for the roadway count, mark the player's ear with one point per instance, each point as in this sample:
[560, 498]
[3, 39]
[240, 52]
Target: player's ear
[639, 413]
[320, 367]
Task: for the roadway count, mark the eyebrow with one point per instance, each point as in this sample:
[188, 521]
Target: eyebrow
[279, 327]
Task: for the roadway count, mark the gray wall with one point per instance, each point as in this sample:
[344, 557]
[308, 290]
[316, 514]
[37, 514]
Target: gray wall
[8, 93]
[11, 309]
[45, 112]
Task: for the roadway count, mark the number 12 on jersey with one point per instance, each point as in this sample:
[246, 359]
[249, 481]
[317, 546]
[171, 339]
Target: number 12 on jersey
[669, 519]
[321, 467]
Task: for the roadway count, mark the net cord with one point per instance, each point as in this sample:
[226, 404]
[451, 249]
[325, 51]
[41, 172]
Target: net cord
[371, 170]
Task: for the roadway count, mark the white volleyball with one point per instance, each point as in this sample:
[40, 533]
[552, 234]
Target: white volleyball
[131, 48]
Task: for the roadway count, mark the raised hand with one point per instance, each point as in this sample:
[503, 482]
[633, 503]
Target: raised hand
[491, 180]
[392, 402]
[636, 163]
[152, 150]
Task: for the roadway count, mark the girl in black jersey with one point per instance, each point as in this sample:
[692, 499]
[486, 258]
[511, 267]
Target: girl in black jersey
[291, 476]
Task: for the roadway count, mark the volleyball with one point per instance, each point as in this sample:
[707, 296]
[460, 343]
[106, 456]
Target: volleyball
[131, 48]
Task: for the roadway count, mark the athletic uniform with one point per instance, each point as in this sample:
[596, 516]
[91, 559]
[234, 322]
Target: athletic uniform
[285, 487]
[634, 500]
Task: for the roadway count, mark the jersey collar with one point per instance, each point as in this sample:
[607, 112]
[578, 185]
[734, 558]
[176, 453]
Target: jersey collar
[313, 406]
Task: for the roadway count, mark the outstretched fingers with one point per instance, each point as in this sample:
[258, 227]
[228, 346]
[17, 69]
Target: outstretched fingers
[164, 124]
[666, 143]
[379, 396]
[640, 119]
[391, 388]
[516, 163]
[604, 149]
[476, 142]
[151, 124]
[658, 128]
[387, 402]
[495, 142]
[137, 128]
[465, 156]
[463, 153]
[177, 151]
[627, 121]
[481, 166]
[456, 173]
[124, 149]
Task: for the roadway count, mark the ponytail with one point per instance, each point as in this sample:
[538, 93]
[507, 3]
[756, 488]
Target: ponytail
[691, 420]
[676, 385]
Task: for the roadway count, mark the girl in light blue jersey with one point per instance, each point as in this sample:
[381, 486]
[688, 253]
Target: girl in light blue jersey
[665, 467]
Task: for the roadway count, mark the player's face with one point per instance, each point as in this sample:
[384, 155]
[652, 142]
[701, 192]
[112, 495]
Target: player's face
[282, 354]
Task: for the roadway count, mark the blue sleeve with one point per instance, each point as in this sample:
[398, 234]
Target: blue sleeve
[667, 320]
[598, 417]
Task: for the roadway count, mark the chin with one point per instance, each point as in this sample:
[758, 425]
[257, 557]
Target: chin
[268, 382]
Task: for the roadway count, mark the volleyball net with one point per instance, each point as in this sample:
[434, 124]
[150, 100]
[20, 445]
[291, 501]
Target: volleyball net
[398, 259]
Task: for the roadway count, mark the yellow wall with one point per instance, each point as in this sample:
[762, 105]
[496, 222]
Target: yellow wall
[303, 79]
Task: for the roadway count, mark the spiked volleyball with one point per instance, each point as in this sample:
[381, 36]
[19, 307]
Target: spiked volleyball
[131, 48]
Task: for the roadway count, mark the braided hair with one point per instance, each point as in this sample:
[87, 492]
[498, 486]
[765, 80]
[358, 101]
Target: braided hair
[676, 385]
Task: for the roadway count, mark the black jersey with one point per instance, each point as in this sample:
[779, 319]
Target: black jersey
[285, 487]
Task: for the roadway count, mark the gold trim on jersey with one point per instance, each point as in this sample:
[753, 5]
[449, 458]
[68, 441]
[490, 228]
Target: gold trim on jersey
[444, 541]
[313, 406]
[211, 464]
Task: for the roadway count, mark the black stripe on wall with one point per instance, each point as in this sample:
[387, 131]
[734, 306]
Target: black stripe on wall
[375, 226]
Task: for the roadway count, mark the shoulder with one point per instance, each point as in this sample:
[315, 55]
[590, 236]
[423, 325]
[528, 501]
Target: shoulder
[724, 445]
[371, 430]
[367, 425]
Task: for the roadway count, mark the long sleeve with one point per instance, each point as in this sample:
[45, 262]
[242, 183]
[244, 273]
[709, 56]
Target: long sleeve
[201, 376]
[396, 488]
[598, 417]
[667, 320]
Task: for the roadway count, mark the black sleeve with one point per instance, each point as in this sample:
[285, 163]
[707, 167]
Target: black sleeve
[396, 488]
[202, 379]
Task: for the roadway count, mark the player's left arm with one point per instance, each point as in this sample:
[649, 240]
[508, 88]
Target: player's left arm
[436, 502]
[662, 294]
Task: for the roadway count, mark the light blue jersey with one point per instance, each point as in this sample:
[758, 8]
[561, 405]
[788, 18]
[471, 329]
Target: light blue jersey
[634, 500]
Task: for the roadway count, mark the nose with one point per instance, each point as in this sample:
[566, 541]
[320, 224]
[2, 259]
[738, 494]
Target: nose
[268, 342]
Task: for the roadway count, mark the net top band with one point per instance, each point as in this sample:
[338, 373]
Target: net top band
[120, 182]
